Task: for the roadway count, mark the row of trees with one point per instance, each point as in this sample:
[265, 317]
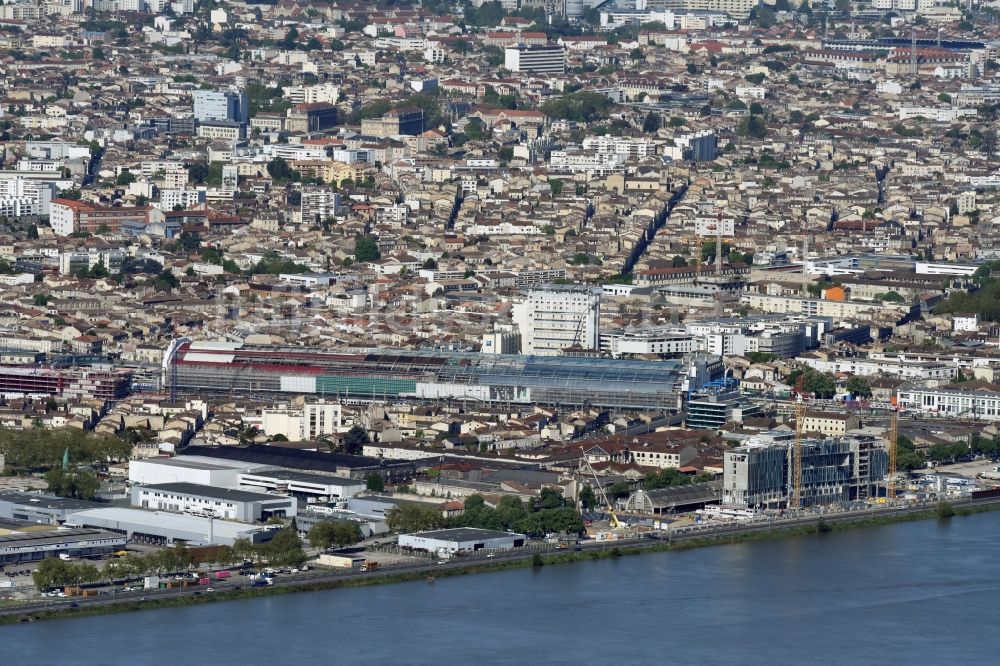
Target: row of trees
[985, 302]
[39, 448]
[284, 549]
[78, 484]
[54, 572]
[166, 560]
[334, 535]
[813, 381]
[549, 513]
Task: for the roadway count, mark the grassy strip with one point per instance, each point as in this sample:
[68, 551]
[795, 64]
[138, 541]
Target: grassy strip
[501, 565]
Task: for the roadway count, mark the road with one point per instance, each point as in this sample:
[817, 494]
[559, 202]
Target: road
[431, 567]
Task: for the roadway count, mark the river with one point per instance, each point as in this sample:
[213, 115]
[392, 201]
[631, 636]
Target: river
[918, 592]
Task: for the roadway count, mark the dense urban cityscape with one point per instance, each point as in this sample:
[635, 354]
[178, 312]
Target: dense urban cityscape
[300, 292]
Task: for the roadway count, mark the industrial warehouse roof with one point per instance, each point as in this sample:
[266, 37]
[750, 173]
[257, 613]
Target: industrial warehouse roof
[282, 457]
[465, 534]
[430, 374]
[50, 537]
[305, 477]
[199, 462]
[200, 490]
[161, 522]
[447, 365]
[46, 501]
[681, 495]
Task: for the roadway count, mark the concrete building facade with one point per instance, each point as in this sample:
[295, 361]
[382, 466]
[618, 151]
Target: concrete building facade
[555, 317]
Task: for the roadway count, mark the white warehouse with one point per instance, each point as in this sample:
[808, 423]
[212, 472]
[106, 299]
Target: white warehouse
[461, 540]
[189, 469]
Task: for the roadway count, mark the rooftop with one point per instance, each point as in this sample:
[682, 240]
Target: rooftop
[465, 534]
[213, 492]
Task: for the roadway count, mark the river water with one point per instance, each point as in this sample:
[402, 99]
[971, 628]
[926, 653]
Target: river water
[920, 592]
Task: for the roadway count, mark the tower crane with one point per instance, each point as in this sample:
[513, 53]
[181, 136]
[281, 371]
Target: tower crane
[892, 446]
[615, 523]
[795, 501]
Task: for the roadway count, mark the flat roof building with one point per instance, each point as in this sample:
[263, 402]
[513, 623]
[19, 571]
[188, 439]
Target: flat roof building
[303, 484]
[163, 528]
[33, 546]
[201, 470]
[262, 457]
[461, 540]
[225, 503]
[40, 509]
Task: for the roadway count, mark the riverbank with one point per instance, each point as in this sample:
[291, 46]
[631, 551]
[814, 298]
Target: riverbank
[737, 534]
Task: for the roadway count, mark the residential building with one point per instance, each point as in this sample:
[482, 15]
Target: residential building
[555, 317]
[306, 422]
[404, 121]
[221, 105]
[549, 59]
[68, 216]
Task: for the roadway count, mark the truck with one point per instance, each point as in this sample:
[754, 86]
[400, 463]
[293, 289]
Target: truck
[369, 566]
[151, 582]
[65, 557]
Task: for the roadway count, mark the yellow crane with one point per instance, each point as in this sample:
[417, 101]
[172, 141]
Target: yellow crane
[615, 523]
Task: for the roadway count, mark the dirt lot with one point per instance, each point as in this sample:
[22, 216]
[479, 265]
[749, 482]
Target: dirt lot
[972, 469]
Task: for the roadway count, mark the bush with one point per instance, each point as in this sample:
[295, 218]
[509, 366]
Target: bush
[945, 509]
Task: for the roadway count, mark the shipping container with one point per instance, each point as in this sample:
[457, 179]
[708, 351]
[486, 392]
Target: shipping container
[220, 575]
[204, 581]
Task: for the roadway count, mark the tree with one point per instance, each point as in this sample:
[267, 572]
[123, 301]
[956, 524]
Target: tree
[366, 249]
[180, 557]
[124, 178]
[820, 384]
[355, 440]
[327, 535]
[280, 172]
[285, 548]
[652, 123]
[753, 126]
[550, 498]
[579, 106]
[556, 185]
[859, 387]
[290, 38]
[587, 498]
[619, 489]
[165, 281]
[73, 484]
[413, 518]
[665, 478]
[375, 483]
[678, 262]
